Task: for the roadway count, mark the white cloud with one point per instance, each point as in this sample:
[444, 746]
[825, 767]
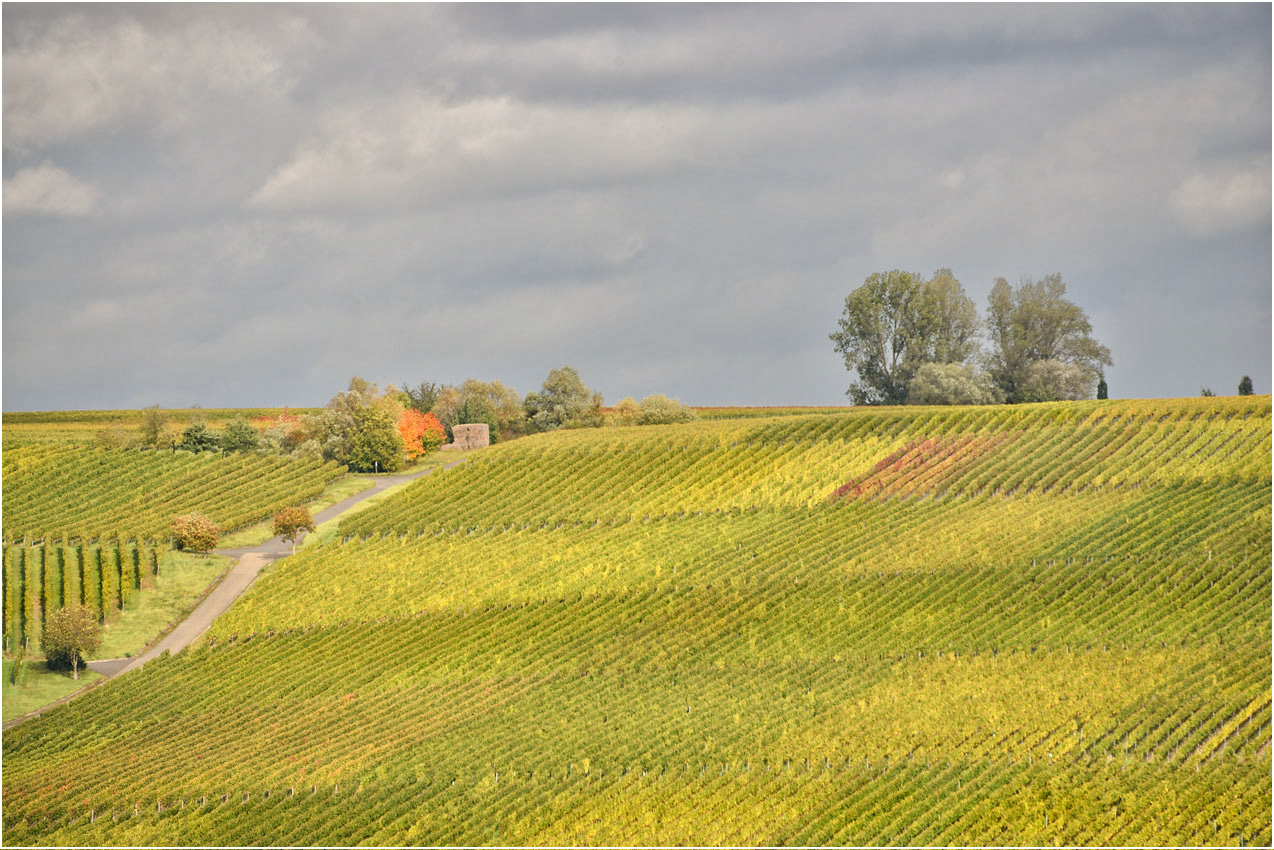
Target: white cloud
[1227, 200]
[98, 316]
[407, 149]
[86, 75]
[48, 190]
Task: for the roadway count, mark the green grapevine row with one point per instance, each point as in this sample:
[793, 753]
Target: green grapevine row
[801, 461]
[99, 494]
[40, 579]
[828, 549]
[351, 728]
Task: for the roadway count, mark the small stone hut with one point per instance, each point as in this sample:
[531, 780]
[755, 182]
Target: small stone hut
[475, 435]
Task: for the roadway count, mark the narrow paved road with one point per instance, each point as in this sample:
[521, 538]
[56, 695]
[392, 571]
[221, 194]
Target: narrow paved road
[236, 581]
[241, 575]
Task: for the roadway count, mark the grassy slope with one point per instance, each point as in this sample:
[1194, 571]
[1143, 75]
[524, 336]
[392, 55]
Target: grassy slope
[1019, 626]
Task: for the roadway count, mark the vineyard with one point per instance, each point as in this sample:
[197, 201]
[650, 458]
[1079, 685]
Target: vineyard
[1030, 625]
[81, 427]
[761, 412]
[64, 492]
[89, 526]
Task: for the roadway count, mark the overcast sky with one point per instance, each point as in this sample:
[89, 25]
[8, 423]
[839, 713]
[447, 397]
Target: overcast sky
[245, 205]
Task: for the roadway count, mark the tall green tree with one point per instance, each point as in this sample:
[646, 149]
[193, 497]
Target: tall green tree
[376, 445]
[895, 323]
[197, 438]
[239, 436]
[423, 396]
[1245, 386]
[564, 402]
[337, 427]
[447, 408]
[475, 409]
[1042, 347]
[153, 425]
[496, 404]
[946, 324]
[874, 333]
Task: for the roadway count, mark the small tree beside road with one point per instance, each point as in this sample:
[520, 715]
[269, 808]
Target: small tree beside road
[195, 533]
[289, 524]
[70, 635]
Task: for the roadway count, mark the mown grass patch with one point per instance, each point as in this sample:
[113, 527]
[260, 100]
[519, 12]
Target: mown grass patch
[37, 686]
[183, 579]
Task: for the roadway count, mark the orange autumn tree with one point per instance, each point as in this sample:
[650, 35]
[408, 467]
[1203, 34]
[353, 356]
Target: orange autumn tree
[421, 432]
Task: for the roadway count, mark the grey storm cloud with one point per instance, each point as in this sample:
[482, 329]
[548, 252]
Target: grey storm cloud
[244, 205]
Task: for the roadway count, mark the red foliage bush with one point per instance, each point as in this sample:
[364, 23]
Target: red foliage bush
[421, 432]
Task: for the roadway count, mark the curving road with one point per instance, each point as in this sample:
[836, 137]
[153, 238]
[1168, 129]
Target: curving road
[241, 575]
[232, 585]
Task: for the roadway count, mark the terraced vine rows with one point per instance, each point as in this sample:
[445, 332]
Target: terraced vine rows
[800, 462]
[64, 492]
[997, 626]
[88, 526]
[82, 427]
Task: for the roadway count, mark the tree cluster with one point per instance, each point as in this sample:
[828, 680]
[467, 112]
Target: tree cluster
[911, 340]
[1245, 387]
[651, 410]
[370, 430]
[156, 432]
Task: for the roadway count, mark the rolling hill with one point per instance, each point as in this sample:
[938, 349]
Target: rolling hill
[1015, 625]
